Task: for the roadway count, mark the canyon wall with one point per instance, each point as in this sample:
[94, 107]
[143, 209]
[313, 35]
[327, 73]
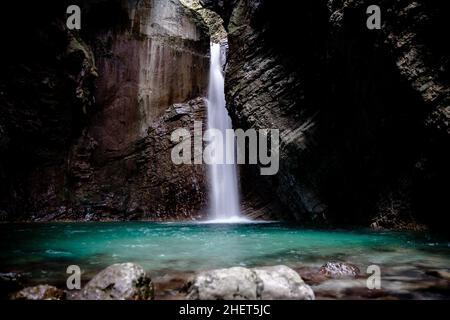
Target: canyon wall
[363, 114]
[86, 116]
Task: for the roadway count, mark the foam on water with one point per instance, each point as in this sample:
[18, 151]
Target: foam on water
[232, 219]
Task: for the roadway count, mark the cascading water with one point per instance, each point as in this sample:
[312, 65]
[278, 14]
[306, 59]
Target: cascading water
[224, 188]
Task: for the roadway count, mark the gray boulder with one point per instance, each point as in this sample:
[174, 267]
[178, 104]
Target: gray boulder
[237, 283]
[122, 281]
[283, 283]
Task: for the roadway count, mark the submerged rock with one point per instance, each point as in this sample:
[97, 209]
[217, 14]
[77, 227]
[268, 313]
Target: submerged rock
[441, 274]
[122, 281]
[171, 286]
[40, 292]
[311, 275]
[277, 282]
[339, 270]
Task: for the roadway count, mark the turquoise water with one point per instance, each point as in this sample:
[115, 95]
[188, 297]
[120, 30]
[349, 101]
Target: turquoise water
[43, 251]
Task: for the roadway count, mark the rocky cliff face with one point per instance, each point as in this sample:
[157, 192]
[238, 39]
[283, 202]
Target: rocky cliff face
[363, 114]
[86, 116]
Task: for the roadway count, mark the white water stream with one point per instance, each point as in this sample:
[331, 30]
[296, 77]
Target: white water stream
[224, 195]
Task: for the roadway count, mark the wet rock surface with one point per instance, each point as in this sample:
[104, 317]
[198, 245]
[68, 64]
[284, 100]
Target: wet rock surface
[88, 113]
[40, 292]
[125, 281]
[339, 270]
[172, 286]
[283, 283]
[225, 284]
[238, 283]
[363, 114]
[129, 281]
[396, 284]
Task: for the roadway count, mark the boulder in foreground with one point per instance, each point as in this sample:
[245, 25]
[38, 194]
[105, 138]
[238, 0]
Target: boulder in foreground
[122, 281]
[283, 283]
[238, 283]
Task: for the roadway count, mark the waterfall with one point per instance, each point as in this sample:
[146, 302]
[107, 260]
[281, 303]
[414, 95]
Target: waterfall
[224, 194]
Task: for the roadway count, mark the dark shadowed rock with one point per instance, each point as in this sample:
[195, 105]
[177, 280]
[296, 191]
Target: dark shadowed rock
[311, 275]
[10, 282]
[363, 114]
[441, 274]
[124, 281]
[86, 112]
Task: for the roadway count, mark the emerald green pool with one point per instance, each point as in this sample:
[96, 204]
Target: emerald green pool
[43, 251]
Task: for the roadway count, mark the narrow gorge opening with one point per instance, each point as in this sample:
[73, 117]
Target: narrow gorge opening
[223, 182]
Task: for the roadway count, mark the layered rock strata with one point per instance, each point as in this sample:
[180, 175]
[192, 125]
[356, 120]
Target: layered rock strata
[86, 117]
[363, 114]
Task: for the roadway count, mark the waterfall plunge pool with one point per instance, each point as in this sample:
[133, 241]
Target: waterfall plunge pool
[42, 251]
